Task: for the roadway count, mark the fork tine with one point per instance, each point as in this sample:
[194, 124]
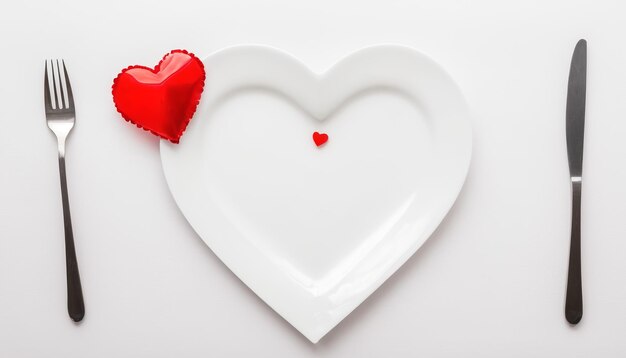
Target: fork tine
[60, 94]
[70, 96]
[55, 101]
[46, 89]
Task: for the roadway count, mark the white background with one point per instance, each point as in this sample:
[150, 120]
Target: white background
[489, 283]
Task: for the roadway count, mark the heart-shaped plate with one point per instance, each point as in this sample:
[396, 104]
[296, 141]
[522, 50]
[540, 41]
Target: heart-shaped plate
[314, 230]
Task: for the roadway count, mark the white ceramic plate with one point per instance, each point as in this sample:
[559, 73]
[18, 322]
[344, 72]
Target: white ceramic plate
[314, 231]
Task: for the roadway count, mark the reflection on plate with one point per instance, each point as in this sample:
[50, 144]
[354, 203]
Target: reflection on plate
[315, 230]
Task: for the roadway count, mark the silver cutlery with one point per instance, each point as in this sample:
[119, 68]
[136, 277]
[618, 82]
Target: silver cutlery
[575, 130]
[60, 117]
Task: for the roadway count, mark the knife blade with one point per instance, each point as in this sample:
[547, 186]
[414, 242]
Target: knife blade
[575, 130]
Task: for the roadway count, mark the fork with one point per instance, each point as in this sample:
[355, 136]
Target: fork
[60, 117]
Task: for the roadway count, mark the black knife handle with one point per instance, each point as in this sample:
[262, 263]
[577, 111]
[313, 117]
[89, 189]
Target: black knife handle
[574, 298]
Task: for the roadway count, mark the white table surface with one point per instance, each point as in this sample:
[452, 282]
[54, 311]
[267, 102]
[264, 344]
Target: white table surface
[489, 283]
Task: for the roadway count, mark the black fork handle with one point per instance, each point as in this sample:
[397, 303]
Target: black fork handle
[75, 303]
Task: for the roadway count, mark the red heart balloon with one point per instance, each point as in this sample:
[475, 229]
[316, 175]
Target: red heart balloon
[163, 99]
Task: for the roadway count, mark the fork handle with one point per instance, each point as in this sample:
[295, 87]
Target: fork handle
[574, 297]
[75, 303]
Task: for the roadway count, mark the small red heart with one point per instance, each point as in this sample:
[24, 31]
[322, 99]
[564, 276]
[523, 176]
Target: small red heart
[161, 100]
[320, 138]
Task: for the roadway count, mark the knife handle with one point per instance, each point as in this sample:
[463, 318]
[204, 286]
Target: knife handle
[574, 298]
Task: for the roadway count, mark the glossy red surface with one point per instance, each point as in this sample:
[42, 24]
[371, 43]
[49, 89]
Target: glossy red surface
[163, 99]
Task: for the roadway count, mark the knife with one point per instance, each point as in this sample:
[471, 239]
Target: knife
[575, 131]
